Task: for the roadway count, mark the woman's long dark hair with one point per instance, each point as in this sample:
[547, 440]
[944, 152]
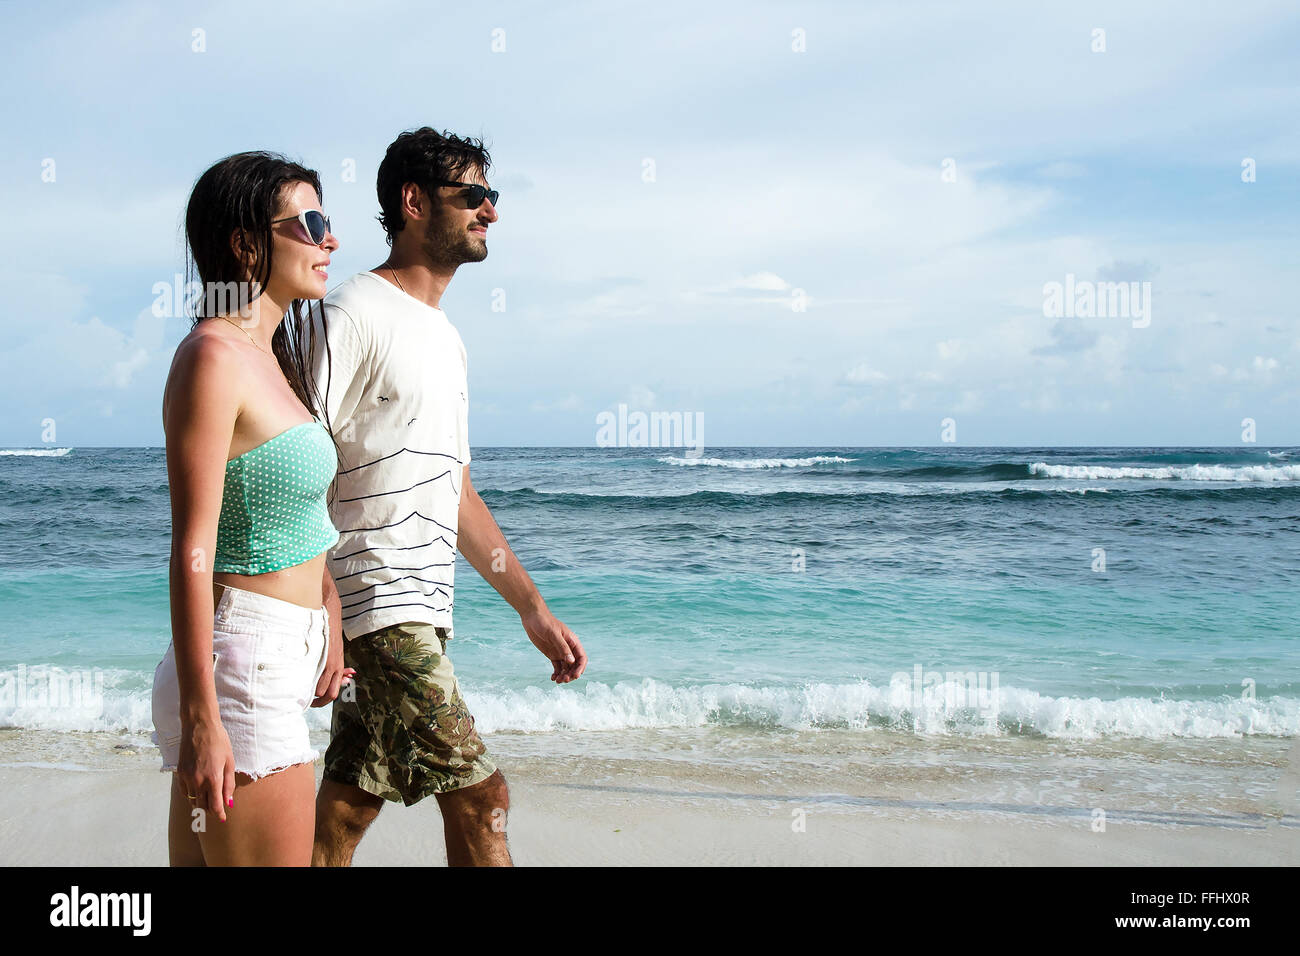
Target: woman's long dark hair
[243, 192]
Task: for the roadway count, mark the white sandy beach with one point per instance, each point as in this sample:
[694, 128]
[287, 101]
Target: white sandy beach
[614, 812]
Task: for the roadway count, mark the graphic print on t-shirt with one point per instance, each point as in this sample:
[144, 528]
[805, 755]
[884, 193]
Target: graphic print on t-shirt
[399, 564]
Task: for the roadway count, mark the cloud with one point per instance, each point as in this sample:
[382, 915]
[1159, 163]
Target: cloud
[1068, 337]
[1063, 169]
[640, 397]
[1260, 371]
[758, 287]
[950, 349]
[569, 403]
[512, 183]
[122, 371]
[614, 304]
[1127, 271]
[863, 374]
[72, 355]
[940, 283]
[1046, 400]
[762, 281]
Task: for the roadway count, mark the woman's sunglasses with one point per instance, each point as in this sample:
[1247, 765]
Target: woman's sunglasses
[314, 222]
[477, 193]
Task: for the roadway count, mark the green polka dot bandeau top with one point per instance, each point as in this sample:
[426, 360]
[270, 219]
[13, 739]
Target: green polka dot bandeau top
[273, 511]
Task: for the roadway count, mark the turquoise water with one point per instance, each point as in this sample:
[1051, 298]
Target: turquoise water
[770, 587]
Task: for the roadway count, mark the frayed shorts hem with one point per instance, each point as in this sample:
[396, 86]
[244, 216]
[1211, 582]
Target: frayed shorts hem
[311, 757]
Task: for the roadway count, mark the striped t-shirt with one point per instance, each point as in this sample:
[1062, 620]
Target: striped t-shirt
[395, 390]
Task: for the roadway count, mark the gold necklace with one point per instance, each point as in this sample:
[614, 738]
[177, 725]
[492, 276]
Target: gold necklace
[395, 279]
[250, 338]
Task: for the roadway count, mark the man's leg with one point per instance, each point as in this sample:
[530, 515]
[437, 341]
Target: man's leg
[474, 823]
[407, 734]
[344, 810]
[343, 813]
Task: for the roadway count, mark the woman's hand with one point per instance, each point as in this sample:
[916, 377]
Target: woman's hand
[207, 767]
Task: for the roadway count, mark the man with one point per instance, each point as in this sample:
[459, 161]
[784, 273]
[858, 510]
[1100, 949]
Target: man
[392, 370]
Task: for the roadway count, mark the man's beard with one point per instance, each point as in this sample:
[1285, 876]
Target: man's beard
[451, 248]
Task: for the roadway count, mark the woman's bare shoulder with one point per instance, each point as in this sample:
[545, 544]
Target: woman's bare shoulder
[206, 369]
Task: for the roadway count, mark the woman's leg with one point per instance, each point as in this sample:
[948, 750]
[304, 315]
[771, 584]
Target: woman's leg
[271, 823]
[183, 847]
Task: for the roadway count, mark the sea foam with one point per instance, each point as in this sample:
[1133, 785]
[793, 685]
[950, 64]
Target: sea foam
[748, 463]
[862, 705]
[1182, 473]
[859, 705]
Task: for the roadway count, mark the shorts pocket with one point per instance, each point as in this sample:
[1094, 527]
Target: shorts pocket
[282, 679]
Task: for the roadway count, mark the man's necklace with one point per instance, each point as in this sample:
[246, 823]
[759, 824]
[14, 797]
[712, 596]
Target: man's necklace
[395, 279]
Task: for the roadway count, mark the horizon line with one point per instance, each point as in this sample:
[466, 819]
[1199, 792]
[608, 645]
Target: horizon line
[686, 447]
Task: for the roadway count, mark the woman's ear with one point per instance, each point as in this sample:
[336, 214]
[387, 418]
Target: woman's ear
[242, 249]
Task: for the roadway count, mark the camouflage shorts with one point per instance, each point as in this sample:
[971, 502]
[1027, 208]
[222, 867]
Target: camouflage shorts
[408, 732]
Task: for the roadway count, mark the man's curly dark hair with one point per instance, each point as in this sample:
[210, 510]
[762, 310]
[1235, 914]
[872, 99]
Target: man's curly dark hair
[423, 156]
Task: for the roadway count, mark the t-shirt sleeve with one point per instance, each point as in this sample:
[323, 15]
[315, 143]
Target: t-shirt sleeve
[339, 364]
[464, 410]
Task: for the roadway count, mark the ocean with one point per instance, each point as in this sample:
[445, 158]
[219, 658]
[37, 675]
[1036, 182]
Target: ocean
[1089, 595]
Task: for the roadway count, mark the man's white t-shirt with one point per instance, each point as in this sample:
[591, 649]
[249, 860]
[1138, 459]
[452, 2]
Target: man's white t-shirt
[396, 395]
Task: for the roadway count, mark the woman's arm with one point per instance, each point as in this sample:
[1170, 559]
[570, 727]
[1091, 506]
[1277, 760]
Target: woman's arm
[200, 407]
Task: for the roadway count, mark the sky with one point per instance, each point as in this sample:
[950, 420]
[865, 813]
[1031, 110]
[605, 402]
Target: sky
[805, 224]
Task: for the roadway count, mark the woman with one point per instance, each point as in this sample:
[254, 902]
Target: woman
[248, 469]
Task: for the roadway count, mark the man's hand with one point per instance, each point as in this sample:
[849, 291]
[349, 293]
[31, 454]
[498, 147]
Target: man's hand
[560, 645]
[332, 678]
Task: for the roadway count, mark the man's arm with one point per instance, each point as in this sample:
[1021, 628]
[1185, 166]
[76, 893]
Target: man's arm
[338, 357]
[480, 540]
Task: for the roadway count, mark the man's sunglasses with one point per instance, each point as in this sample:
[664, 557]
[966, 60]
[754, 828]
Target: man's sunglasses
[477, 193]
[314, 222]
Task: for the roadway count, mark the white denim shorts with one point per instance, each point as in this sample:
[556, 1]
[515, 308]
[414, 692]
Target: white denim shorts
[267, 656]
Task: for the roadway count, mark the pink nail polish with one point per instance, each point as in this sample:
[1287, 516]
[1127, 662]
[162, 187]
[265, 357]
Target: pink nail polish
[230, 801]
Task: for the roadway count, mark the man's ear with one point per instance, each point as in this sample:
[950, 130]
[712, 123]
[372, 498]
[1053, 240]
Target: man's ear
[415, 202]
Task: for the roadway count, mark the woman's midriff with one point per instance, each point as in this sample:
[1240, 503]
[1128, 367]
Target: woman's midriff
[300, 584]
